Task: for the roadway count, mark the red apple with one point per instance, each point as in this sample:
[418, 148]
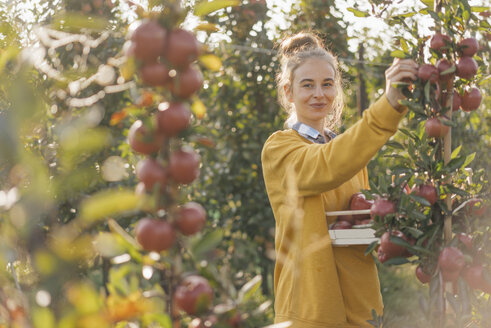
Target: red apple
[466, 240]
[173, 118]
[190, 218]
[150, 172]
[435, 128]
[341, 225]
[155, 234]
[474, 277]
[382, 257]
[439, 41]
[193, 295]
[471, 100]
[427, 191]
[155, 74]
[468, 47]
[391, 249]
[422, 275]
[182, 48]
[428, 72]
[184, 166]
[143, 140]
[381, 207]
[475, 207]
[456, 101]
[451, 262]
[186, 83]
[347, 218]
[358, 201]
[149, 39]
[442, 65]
[466, 68]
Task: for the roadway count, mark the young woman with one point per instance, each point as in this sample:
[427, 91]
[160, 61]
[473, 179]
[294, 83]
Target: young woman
[308, 170]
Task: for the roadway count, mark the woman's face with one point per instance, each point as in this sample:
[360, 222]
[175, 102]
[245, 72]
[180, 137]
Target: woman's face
[312, 91]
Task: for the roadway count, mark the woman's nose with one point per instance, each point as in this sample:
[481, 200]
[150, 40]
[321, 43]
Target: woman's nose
[318, 91]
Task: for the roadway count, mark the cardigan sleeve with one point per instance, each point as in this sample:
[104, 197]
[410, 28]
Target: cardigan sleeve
[322, 167]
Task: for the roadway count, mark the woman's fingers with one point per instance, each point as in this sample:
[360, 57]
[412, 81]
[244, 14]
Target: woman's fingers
[402, 65]
[401, 70]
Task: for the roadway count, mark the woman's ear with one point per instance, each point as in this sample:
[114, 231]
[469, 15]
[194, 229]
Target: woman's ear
[288, 92]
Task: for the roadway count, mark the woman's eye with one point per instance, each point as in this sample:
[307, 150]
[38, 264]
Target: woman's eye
[308, 85]
[328, 84]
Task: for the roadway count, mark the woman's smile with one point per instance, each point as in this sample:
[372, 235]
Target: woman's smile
[318, 105]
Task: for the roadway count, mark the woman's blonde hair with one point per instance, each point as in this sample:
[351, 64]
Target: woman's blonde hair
[294, 51]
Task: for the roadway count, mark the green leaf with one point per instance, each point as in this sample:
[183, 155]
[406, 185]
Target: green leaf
[434, 15]
[457, 191]
[202, 245]
[107, 203]
[74, 21]
[399, 54]
[466, 15]
[404, 45]
[413, 105]
[106, 244]
[478, 9]
[427, 92]
[79, 142]
[394, 144]
[7, 54]
[421, 250]
[358, 13]
[211, 62]
[485, 80]
[453, 302]
[469, 159]
[415, 232]
[406, 15]
[452, 69]
[399, 241]
[43, 318]
[455, 163]
[456, 152]
[417, 215]
[198, 108]
[205, 8]
[371, 248]
[249, 289]
[484, 26]
[428, 3]
[420, 200]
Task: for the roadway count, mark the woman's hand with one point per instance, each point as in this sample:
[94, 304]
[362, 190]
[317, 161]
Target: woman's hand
[401, 70]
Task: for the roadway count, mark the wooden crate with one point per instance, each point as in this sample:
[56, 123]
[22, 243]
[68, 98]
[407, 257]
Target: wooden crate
[358, 235]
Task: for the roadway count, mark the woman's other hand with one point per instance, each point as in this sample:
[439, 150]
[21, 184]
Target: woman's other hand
[401, 70]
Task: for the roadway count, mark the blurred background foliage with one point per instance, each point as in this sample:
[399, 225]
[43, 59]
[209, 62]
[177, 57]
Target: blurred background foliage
[63, 130]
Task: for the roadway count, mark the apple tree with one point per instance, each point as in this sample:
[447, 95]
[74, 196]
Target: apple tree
[431, 204]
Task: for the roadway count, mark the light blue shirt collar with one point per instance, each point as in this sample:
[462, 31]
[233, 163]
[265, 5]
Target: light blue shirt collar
[312, 134]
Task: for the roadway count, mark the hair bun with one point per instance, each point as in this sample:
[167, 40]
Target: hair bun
[302, 41]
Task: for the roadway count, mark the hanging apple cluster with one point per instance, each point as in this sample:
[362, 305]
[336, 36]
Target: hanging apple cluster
[454, 59]
[165, 60]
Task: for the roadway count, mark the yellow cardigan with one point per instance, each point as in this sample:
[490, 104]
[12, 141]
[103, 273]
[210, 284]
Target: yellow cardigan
[317, 285]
